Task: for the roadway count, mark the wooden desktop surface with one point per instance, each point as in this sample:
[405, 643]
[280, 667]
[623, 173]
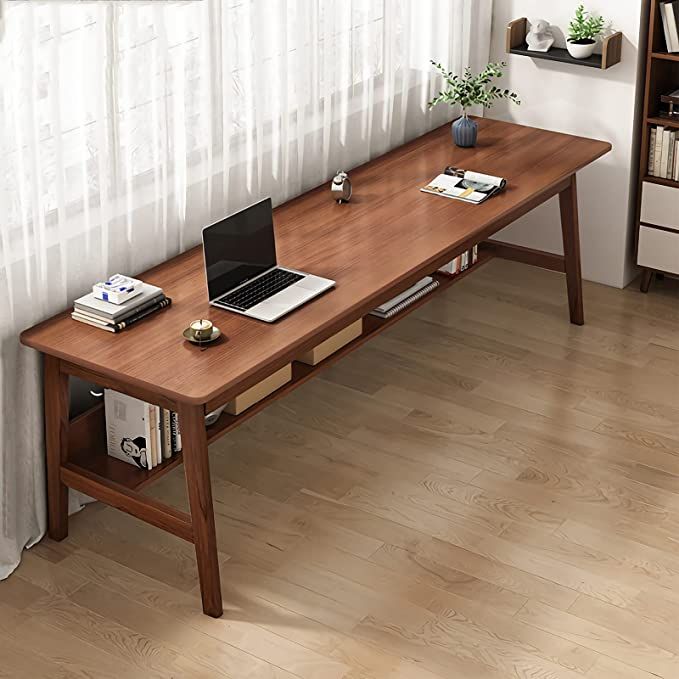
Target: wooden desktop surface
[384, 238]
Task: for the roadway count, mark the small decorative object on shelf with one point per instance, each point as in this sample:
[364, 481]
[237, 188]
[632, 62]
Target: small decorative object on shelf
[470, 90]
[340, 188]
[672, 101]
[539, 37]
[583, 32]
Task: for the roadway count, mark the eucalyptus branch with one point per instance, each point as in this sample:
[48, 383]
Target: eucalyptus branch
[470, 90]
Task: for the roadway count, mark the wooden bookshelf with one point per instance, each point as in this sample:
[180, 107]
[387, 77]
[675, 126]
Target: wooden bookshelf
[667, 56]
[667, 122]
[661, 76]
[87, 433]
[661, 181]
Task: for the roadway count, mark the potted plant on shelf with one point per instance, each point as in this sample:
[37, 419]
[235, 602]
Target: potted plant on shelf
[583, 32]
[470, 90]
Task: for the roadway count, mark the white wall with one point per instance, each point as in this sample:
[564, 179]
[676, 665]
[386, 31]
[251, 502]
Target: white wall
[587, 102]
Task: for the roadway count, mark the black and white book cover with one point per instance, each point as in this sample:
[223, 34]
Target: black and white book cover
[127, 428]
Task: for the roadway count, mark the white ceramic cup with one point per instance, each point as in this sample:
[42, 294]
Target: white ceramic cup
[201, 329]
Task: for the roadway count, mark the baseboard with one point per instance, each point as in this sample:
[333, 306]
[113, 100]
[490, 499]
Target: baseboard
[517, 253]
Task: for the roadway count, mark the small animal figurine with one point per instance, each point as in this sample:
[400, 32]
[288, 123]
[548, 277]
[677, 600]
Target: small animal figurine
[540, 38]
[340, 189]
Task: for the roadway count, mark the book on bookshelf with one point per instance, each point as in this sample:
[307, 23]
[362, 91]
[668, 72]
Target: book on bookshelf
[669, 12]
[140, 433]
[175, 433]
[166, 433]
[663, 153]
[461, 262]
[128, 430]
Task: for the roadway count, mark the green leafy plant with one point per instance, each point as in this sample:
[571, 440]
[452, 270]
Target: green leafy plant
[469, 89]
[585, 26]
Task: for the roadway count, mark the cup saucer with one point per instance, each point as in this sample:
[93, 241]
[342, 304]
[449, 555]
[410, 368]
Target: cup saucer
[216, 334]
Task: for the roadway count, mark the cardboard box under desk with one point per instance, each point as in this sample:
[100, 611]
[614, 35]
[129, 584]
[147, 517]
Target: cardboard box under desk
[332, 344]
[261, 390]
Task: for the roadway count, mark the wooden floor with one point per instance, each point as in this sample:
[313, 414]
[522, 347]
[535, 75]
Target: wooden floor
[483, 492]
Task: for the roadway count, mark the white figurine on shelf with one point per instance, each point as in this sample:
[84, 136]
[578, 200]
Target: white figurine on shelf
[540, 38]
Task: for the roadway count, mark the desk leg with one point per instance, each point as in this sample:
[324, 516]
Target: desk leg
[568, 202]
[197, 470]
[56, 442]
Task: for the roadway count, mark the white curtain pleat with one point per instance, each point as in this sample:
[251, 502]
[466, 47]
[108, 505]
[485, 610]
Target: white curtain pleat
[127, 127]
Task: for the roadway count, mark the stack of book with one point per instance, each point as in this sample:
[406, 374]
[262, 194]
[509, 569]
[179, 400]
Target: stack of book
[669, 11]
[140, 433]
[105, 315]
[663, 153]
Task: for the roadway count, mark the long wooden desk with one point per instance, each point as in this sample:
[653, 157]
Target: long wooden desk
[388, 237]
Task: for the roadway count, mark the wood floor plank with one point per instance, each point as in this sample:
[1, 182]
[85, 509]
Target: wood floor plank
[432, 644]
[608, 668]
[626, 622]
[294, 440]
[445, 561]
[467, 608]
[472, 493]
[249, 623]
[197, 649]
[623, 647]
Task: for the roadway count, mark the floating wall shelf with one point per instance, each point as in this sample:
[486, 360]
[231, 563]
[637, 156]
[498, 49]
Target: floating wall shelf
[516, 44]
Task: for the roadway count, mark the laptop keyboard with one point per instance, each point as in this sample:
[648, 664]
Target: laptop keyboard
[260, 289]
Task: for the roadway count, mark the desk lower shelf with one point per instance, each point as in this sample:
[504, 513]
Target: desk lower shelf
[87, 433]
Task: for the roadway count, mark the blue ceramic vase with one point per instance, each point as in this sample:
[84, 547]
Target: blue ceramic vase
[465, 132]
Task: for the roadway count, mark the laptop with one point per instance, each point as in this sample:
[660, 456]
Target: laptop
[242, 271]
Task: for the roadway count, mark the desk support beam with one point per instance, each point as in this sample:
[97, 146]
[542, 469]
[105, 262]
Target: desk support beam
[56, 398]
[197, 470]
[568, 202]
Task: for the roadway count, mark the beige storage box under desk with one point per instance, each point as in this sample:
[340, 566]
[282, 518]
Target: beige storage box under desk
[332, 344]
[260, 390]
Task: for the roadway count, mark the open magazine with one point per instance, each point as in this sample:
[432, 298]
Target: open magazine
[470, 187]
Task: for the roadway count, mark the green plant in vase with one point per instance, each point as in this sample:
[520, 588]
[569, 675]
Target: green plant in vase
[583, 32]
[469, 90]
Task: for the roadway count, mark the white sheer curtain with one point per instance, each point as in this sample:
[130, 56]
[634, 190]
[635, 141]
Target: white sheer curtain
[125, 127]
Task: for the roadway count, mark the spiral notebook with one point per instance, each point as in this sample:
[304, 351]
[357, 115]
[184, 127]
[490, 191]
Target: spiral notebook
[403, 301]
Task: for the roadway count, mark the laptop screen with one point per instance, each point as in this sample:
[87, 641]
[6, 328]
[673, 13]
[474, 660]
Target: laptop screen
[239, 248]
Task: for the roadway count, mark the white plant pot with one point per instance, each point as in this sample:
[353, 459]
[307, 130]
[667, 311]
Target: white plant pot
[581, 50]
